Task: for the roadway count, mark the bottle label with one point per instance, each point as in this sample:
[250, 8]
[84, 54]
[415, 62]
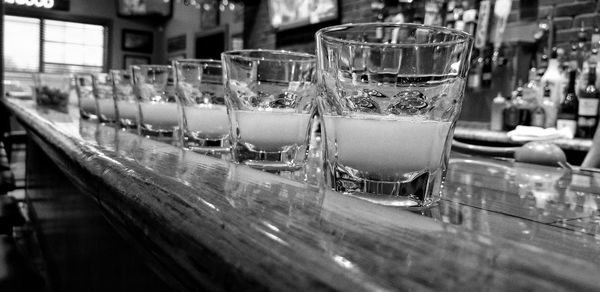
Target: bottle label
[571, 125]
[486, 76]
[588, 107]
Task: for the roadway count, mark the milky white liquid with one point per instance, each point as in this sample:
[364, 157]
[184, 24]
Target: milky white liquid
[88, 105]
[272, 130]
[127, 111]
[386, 148]
[209, 121]
[161, 116]
[106, 108]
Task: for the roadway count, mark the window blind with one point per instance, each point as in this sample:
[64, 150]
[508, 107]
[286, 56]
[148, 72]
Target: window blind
[66, 46]
[21, 44]
[72, 47]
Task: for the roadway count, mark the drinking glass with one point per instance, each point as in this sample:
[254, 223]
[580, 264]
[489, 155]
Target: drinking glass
[103, 91]
[125, 101]
[389, 96]
[204, 124]
[158, 116]
[85, 95]
[52, 90]
[270, 101]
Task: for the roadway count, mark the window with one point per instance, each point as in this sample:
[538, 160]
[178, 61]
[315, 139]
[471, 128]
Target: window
[64, 46]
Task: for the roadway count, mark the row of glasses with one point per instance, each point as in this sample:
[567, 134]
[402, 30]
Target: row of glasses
[388, 97]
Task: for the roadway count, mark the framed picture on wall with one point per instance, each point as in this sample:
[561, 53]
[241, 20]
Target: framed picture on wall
[129, 60]
[176, 43]
[137, 41]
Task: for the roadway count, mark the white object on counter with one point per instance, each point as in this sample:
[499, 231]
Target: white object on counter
[527, 133]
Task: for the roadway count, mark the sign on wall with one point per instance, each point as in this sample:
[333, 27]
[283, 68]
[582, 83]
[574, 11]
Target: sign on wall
[42, 4]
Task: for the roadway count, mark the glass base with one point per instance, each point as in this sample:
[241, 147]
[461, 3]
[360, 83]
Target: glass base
[287, 160]
[420, 190]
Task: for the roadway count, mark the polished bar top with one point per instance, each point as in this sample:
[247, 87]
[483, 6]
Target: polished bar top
[479, 131]
[220, 226]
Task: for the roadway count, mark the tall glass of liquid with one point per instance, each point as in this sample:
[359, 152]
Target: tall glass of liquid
[270, 100]
[158, 112]
[389, 96]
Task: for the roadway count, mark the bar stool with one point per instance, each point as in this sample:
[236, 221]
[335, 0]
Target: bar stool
[16, 273]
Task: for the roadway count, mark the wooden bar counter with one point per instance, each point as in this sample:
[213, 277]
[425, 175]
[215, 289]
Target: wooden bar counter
[201, 223]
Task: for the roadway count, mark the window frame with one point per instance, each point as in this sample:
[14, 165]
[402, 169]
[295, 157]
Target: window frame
[62, 16]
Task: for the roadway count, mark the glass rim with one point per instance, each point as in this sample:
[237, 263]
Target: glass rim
[199, 61]
[151, 66]
[64, 74]
[244, 55]
[464, 37]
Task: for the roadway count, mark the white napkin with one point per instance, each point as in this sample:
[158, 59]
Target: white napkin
[527, 133]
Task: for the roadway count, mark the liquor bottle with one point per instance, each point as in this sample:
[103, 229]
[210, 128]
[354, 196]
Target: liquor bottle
[470, 19]
[510, 113]
[573, 58]
[449, 21]
[538, 116]
[581, 50]
[595, 38]
[567, 110]
[587, 120]
[498, 105]
[483, 24]
[553, 78]
[543, 64]
[474, 80]
[532, 93]
[550, 108]
[486, 69]
[524, 108]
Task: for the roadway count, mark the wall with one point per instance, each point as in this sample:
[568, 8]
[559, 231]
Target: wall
[186, 20]
[260, 33]
[107, 9]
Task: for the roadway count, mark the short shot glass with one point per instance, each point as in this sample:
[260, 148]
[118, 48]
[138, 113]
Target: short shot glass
[389, 96]
[199, 89]
[103, 92]
[159, 114]
[85, 95]
[126, 105]
[270, 99]
[52, 90]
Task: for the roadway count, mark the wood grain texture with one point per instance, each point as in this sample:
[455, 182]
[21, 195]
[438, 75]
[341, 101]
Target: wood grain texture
[219, 226]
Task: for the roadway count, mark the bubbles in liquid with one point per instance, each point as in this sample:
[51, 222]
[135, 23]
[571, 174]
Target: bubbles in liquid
[363, 101]
[285, 100]
[408, 102]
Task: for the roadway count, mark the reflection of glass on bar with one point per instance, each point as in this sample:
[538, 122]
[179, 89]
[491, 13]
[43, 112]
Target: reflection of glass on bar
[158, 116]
[389, 96]
[199, 87]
